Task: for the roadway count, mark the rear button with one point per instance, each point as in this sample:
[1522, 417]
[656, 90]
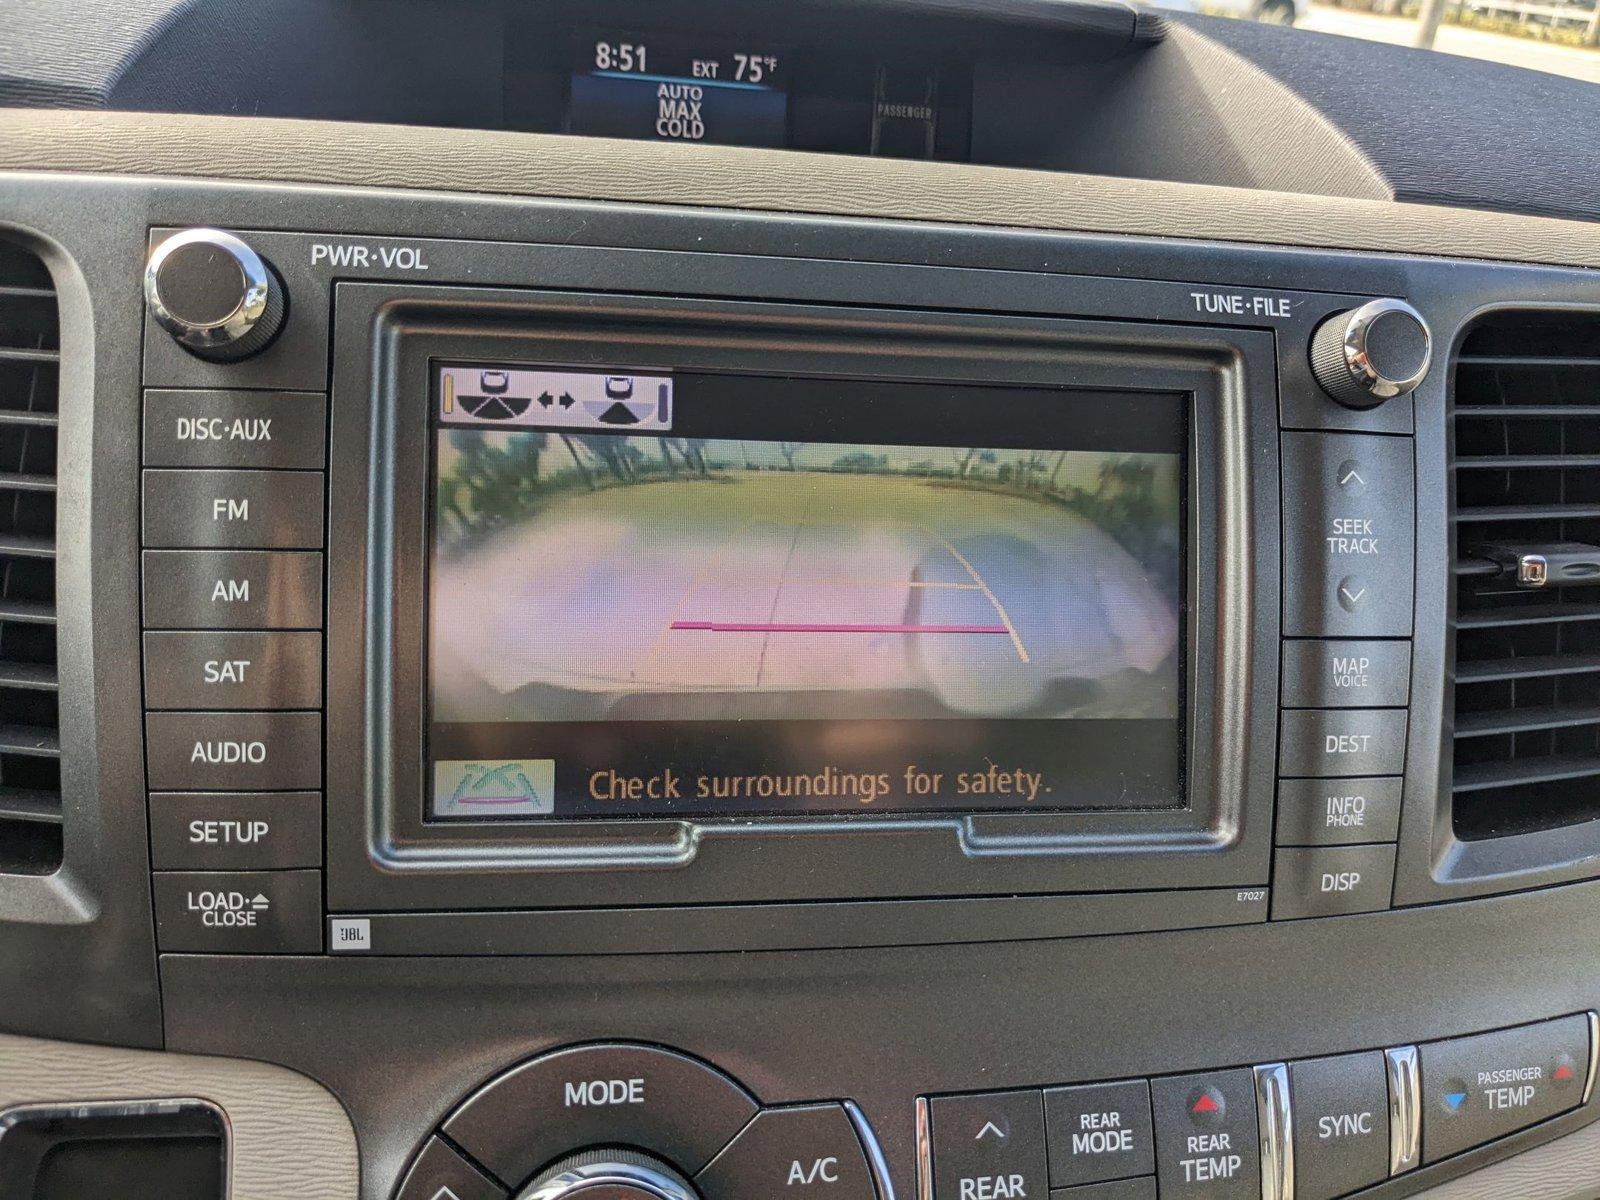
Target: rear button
[810, 1153]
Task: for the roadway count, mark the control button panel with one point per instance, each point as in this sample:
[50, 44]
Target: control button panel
[1316, 1129]
[1338, 812]
[1206, 1136]
[989, 1146]
[1348, 535]
[232, 669]
[247, 510]
[1476, 1089]
[657, 1100]
[239, 912]
[1098, 1132]
[1341, 1124]
[235, 831]
[1331, 881]
[205, 428]
[810, 1153]
[232, 589]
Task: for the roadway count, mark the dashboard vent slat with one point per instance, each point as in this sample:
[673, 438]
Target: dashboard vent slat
[30, 747]
[1526, 423]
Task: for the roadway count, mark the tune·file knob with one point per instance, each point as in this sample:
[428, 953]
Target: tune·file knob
[1364, 356]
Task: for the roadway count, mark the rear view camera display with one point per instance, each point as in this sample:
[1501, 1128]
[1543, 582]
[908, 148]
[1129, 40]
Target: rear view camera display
[657, 595]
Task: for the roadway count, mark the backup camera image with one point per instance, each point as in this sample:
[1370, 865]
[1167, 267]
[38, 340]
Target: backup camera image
[626, 577]
[802, 601]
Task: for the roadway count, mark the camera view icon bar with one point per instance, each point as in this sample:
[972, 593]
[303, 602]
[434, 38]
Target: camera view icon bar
[483, 395]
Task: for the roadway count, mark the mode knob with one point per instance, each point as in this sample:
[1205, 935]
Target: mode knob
[1367, 355]
[609, 1175]
[216, 296]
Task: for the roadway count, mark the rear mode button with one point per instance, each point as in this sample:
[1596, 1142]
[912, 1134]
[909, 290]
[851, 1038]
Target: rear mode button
[659, 1101]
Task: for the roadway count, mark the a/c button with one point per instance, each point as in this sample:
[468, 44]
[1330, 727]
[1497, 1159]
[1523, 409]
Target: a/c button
[809, 1153]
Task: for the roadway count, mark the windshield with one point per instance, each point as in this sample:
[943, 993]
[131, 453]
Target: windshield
[1562, 38]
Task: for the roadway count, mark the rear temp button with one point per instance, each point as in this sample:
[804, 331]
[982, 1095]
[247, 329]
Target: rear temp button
[1207, 1141]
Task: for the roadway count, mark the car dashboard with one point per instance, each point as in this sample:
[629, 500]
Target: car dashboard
[842, 601]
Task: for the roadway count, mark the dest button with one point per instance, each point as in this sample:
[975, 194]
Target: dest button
[989, 1146]
[1476, 1089]
[1099, 1132]
[810, 1153]
[1207, 1141]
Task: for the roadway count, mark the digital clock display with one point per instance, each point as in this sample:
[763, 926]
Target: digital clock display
[677, 90]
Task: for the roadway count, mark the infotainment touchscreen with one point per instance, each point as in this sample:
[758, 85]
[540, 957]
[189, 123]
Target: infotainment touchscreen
[657, 594]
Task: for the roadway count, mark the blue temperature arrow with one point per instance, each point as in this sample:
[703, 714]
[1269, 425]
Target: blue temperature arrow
[1455, 1100]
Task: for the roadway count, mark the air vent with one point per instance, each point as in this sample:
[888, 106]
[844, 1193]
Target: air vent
[1527, 657]
[30, 750]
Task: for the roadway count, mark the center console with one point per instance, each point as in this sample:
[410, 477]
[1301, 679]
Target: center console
[664, 705]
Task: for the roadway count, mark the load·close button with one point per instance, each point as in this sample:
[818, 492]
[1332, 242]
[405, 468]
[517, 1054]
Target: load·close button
[989, 1146]
[1349, 518]
[1476, 1089]
[658, 1101]
[239, 912]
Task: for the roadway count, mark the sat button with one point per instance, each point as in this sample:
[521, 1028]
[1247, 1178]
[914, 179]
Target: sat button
[657, 1100]
[810, 1153]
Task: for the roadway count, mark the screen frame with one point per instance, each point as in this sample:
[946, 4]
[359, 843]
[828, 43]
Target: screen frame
[383, 853]
[754, 809]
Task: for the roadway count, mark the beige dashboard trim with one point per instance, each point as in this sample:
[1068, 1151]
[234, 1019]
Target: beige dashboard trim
[545, 165]
[289, 1137]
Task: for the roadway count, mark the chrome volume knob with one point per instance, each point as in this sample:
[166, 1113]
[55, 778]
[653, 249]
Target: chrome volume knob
[1364, 356]
[608, 1175]
[216, 296]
